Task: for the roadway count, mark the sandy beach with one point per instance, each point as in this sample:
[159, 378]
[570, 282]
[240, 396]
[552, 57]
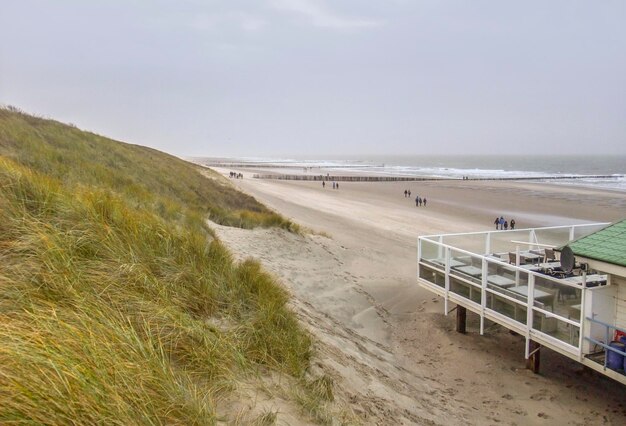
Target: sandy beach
[391, 352]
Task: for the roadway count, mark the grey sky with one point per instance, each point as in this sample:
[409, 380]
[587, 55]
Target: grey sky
[287, 77]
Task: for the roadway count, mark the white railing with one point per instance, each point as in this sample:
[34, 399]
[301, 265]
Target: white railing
[609, 331]
[545, 228]
[464, 276]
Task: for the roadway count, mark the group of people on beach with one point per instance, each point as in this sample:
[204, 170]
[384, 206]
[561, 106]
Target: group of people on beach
[335, 184]
[503, 224]
[236, 175]
[419, 201]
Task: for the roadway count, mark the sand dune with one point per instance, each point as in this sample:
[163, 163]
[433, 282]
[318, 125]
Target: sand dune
[388, 346]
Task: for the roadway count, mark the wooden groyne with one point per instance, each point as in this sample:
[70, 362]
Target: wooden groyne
[277, 166]
[337, 178]
[348, 178]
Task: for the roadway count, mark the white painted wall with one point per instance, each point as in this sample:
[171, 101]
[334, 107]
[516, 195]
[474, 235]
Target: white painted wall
[620, 312]
[600, 304]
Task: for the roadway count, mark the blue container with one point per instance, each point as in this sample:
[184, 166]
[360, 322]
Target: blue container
[614, 360]
[622, 339]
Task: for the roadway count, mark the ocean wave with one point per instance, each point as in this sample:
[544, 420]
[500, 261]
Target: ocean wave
[614, 181]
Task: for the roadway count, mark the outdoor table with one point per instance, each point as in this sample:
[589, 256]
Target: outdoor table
[528, 257]
[590, 279]
[533, 268]
[550, 265]
[470, 270]
[500, 281]
[540, 252]
[539, 295]
[453, 262]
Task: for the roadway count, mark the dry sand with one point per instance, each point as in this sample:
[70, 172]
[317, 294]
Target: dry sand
[393, 355]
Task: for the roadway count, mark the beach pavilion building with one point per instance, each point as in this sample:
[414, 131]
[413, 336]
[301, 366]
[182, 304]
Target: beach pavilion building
[562, 288]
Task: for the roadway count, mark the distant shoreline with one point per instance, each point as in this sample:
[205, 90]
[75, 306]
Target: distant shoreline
[361, 178]
[380, 173]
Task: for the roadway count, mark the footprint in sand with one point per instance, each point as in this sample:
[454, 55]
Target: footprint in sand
[542, 395]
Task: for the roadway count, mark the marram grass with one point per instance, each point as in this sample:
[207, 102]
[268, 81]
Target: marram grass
[144, 177]
[117, 303]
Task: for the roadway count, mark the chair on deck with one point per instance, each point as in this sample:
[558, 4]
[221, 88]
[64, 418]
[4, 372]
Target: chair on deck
[550, 255]
[512, 258]
[566, 292]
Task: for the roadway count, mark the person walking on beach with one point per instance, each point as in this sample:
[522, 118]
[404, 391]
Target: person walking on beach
[512, 224]
[409, 193]
[501, 222]
[323, 184]
[417, 201]
[405, 193]
[333, 184]
[337, 186]
[496, 222]
[506, 225]
[424, 202]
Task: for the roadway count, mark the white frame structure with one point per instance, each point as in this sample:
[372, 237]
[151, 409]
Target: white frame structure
[437, 262]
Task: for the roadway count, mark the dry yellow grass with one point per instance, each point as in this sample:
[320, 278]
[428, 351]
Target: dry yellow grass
[118, 304]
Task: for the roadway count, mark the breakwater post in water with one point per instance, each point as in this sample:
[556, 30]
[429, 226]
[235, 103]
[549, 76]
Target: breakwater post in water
[417, 178]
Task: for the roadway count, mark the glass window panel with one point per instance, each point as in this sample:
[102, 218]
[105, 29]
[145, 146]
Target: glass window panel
[470, 242]
[466, 266]
[465, 289]
[552, 237]
[506, 307]
[565, 300]
[432, 275]
[554, 326]
[581, 231]
[431, 250]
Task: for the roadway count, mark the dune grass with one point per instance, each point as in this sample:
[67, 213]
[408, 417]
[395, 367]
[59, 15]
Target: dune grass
[145, 177]
[118, 305]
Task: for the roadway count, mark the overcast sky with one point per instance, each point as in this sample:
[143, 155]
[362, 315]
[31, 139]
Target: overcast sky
[321, 77]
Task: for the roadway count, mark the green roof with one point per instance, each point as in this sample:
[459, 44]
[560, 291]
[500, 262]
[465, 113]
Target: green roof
[607, 245]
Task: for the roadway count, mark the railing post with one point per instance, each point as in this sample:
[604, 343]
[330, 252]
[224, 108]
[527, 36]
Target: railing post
[582, 324]
[419, 255]
[527, 348]
[533, 360]
[531, 303]
[517, 265]
[447, 279]
[440, 247]
[606, 351]
[483, 295]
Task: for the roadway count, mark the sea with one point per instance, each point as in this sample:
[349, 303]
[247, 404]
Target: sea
[583, 169]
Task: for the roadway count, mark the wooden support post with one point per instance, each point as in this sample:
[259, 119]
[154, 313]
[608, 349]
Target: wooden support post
[532, 363]
[461, 314]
